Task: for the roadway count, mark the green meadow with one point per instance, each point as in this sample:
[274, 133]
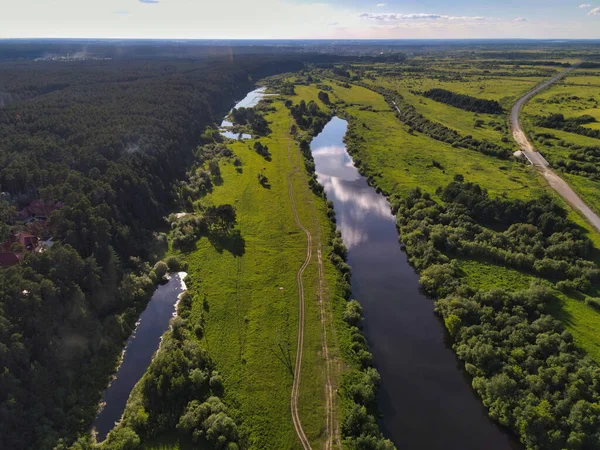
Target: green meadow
[400, 161]
[246, 290]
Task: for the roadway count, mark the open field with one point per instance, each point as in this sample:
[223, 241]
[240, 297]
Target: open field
[248, 289]
[399, 162]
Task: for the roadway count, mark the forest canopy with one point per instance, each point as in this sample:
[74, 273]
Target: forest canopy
[102, 143]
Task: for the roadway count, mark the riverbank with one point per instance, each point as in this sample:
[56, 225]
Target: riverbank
[397, 164]
[246, 292]
[398, 318]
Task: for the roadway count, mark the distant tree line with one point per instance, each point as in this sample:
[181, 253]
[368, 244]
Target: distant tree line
[572, 125]
[466, 102]
[408, 114]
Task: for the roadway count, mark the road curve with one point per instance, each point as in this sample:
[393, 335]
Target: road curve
[539, 162]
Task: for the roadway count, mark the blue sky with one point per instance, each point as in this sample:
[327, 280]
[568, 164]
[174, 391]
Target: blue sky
[328, 19]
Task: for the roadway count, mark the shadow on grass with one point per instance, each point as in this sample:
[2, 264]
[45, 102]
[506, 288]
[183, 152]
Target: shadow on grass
[232, 242]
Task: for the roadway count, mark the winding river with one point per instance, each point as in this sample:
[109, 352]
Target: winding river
[425, 399]
[138, 353]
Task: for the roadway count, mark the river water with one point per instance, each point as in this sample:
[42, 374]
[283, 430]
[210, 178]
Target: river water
[425, 399]
[251, 99]
[139, 349]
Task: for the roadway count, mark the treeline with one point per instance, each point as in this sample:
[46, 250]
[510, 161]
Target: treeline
[108, 144]
[358, 391]
[572, 125]
[589, 65]
[538, 238]
[466, 102]
[583, 161]
[251, 117]
[308, 117]
[527, 63]
[523, 364]
[409, 115]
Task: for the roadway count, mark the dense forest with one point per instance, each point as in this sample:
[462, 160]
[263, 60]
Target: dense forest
[524, 365]
[99, 144]
[465, 102]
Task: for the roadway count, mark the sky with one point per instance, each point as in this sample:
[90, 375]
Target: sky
[301, 19]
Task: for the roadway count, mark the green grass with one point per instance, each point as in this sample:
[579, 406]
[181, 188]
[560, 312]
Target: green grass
[401, 161]
[251, 323]
[404, 161]
[580, 319]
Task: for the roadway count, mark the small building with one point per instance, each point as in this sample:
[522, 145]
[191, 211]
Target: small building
[9, 259]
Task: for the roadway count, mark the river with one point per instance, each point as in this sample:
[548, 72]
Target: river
[251, 99]
[138, 353]
[154, 321]
[425, 398]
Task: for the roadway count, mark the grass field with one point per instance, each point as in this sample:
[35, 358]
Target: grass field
[578, 94]
[400, 161]
[247, 286]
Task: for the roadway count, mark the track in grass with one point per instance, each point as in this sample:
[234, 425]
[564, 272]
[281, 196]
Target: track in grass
[300, 344]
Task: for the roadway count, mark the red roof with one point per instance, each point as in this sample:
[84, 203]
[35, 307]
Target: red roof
[8, 259]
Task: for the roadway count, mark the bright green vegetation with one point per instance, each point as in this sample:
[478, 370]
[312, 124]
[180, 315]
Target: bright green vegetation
[99, 144]
[251, 323]
[245, 292]
[575, 155]
[398, 160]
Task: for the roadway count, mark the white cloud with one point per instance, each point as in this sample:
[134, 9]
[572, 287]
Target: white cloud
[585, 6]
[520, 19]
[380, 5]
[393, 17]
[594, 12]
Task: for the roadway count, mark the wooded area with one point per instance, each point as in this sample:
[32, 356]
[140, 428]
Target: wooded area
[106, 140]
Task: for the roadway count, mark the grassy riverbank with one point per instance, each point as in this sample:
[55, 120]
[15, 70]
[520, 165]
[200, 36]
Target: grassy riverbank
[399, 161]
[246, 290]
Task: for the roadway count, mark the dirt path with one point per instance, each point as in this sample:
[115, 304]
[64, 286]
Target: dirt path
[300, 345]
[539, 162]
[331, 425]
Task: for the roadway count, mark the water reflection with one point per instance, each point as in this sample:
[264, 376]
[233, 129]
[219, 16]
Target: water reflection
[251, 99]
[425, 400]
[344, 185]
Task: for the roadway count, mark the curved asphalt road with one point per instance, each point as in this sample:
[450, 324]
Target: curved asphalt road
[537, 160]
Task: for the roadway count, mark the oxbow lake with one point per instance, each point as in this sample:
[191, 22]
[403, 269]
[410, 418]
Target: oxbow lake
[139, 349]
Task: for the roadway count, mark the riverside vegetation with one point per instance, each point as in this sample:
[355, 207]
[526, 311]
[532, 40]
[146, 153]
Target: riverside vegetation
[223, 377]
[512, 267]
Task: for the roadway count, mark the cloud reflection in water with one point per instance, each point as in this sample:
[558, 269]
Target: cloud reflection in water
[356, 203]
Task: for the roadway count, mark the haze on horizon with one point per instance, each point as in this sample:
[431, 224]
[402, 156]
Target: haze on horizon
[300, 19]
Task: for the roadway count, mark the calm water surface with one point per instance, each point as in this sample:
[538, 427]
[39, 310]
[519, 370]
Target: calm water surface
[425, 399]
[138, 352]
[251, 99]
